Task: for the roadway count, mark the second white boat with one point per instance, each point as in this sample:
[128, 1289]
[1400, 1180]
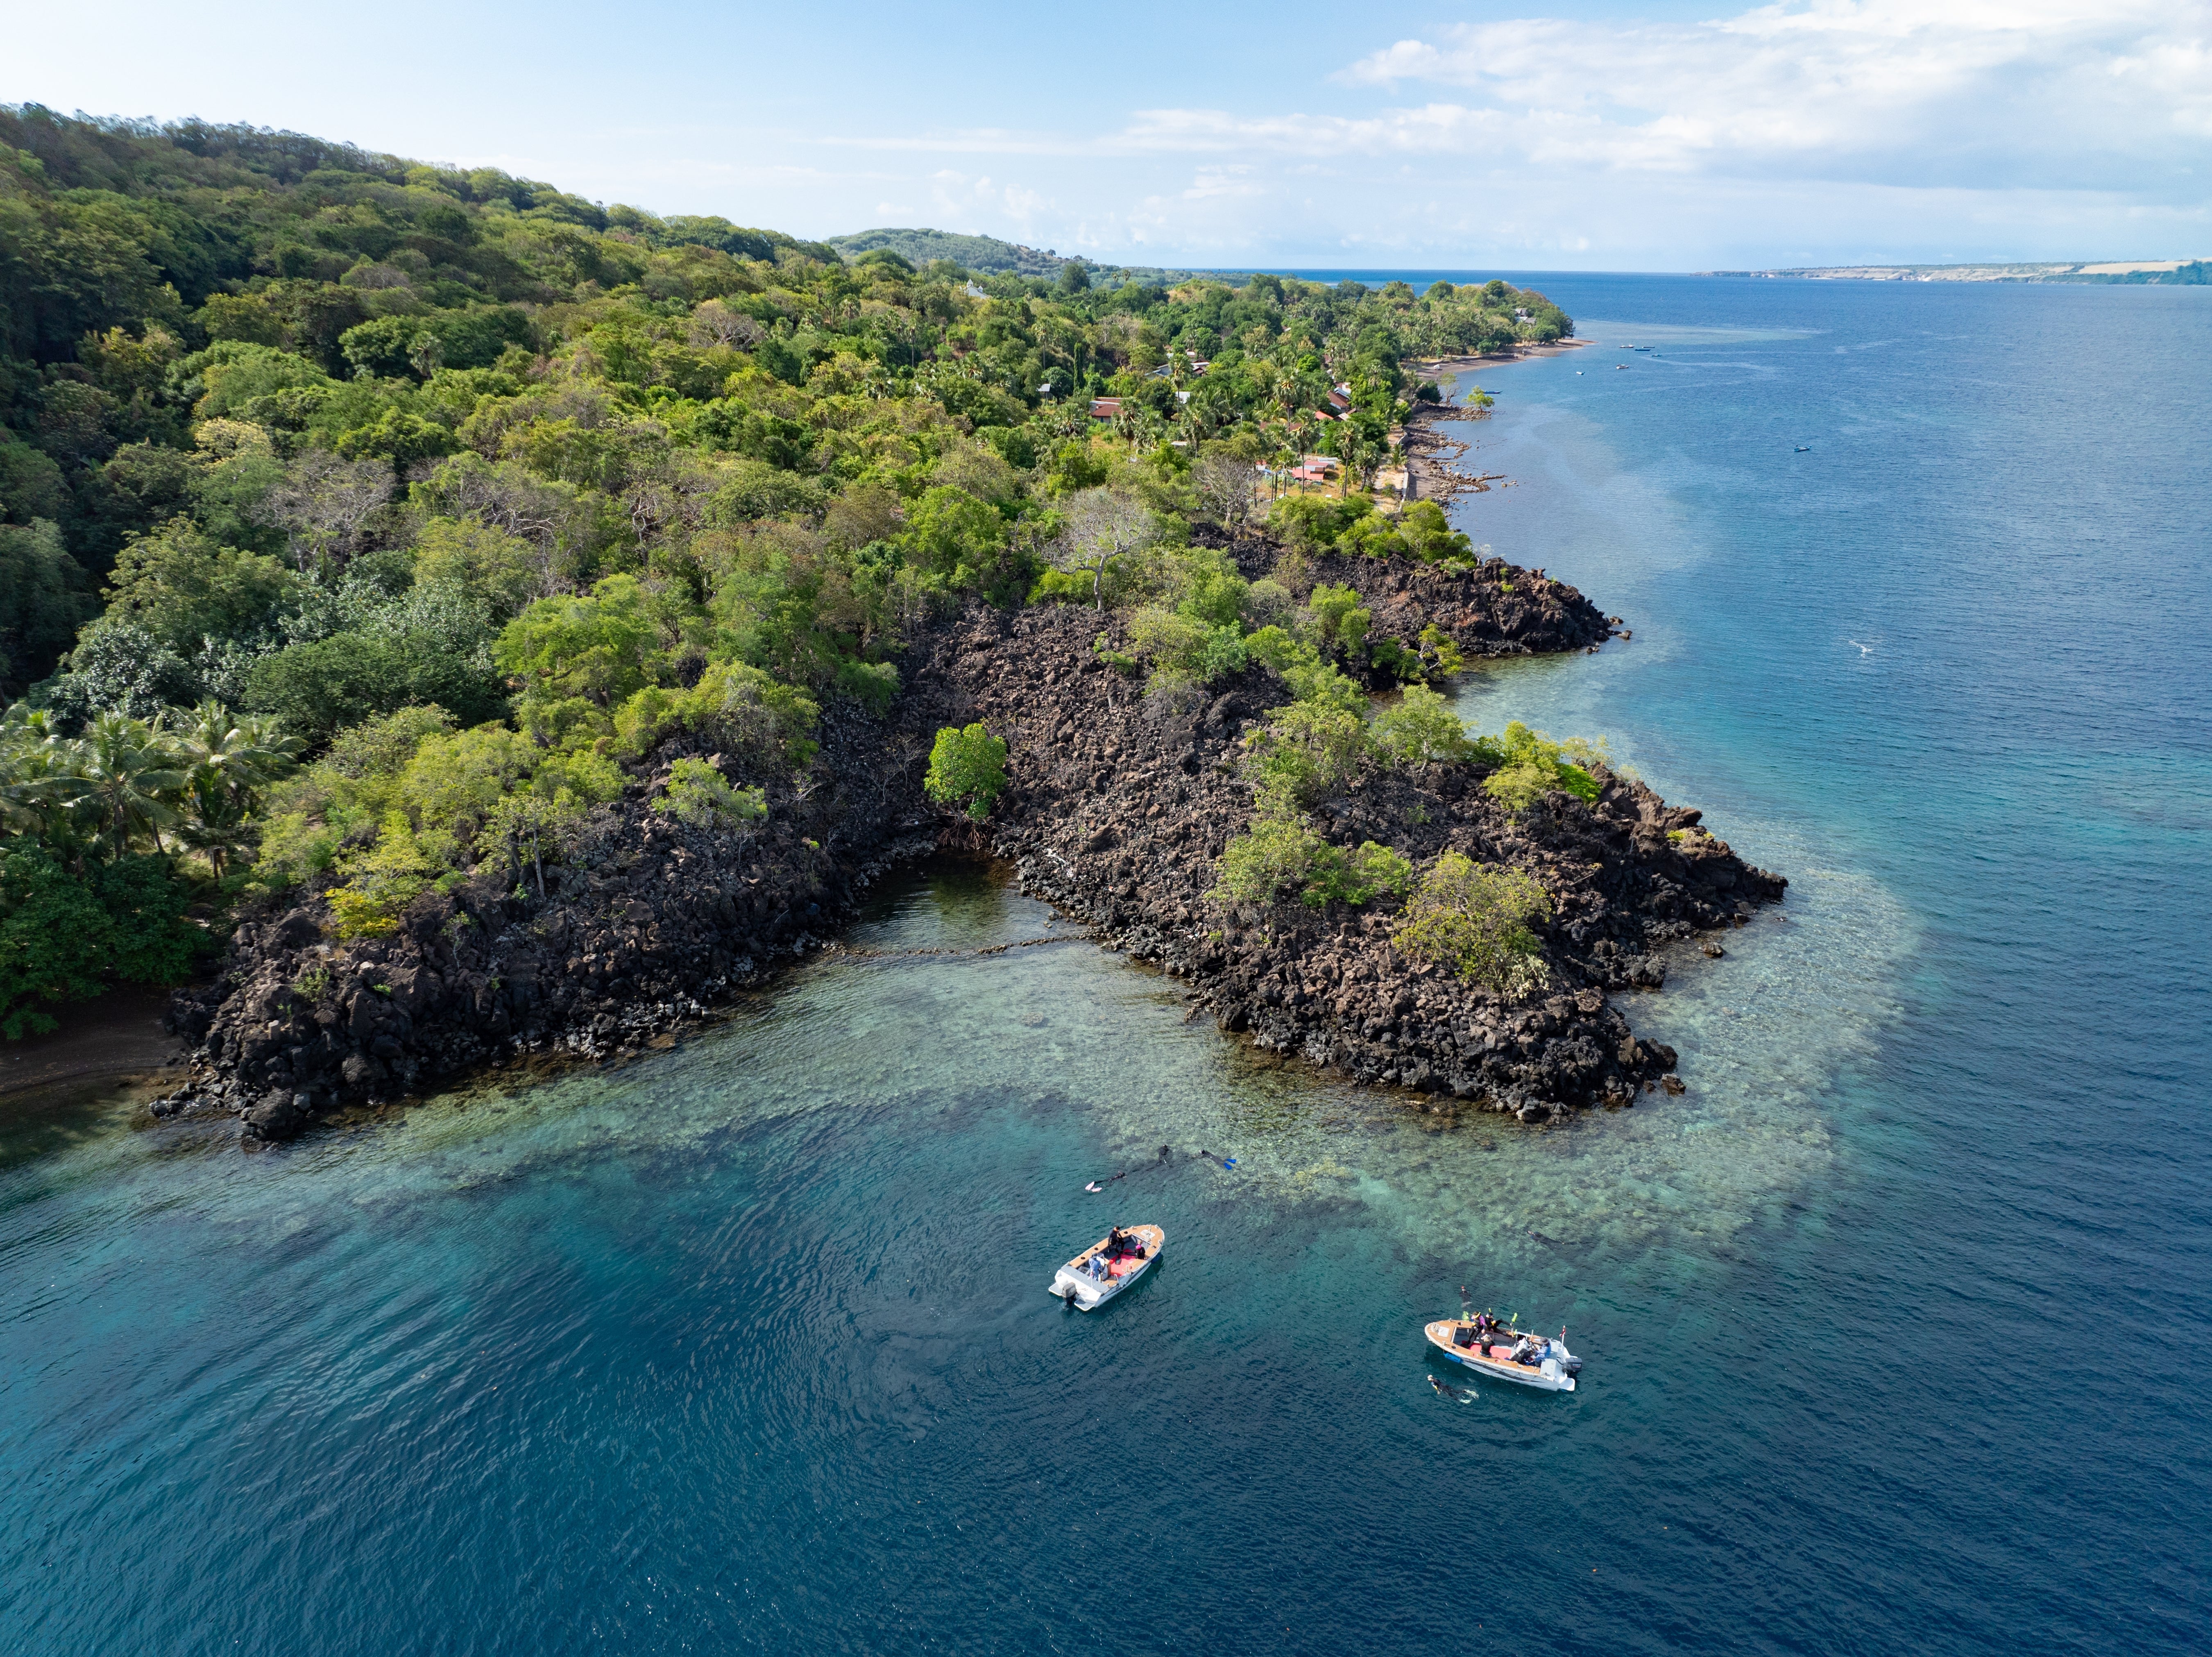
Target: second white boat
[1546, 1365]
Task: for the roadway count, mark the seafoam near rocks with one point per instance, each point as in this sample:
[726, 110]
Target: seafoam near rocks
[1116, 808]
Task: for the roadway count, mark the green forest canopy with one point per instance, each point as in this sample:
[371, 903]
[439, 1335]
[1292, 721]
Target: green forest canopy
[461, 491]
[987, 255]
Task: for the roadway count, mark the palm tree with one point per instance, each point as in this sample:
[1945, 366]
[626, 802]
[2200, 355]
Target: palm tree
[126, 770]
[29, 750]
[228, 762]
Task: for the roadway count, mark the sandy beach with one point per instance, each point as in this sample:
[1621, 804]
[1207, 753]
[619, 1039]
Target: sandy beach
[1431, 369]
[112, 1038]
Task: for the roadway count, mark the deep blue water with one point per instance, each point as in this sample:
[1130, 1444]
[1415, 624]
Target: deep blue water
[1897, 1322]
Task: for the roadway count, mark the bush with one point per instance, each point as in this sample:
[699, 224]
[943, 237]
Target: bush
[310, 818]
[1473, 918]
[1419, 727]
[1121, 661]
[699, 794]
[1358, 874]
[1316, 519]
[968, 765]
[64, 938]
[1310, 678]
[1338, 616]
[1530, 765]
[870, 683]
[1267, 603]
[1060, 586]
[387, 878]
[757, 711]
[1306, 751]
[1440, 657]
[1395, 660]
[1209, 590]
[1280, 854]
[1184, 646]
[1275, 854]
[1428, 535]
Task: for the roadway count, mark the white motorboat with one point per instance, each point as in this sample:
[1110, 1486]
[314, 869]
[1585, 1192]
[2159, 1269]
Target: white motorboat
[1104, 1270]
[1546, 1365]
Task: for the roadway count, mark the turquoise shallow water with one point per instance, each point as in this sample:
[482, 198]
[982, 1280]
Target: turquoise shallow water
[1896, 1320]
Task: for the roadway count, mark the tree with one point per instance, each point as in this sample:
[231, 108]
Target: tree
[520, 825]
[1474, 919]
[1100, 526]
[955, 537]
[324, 503]
[1228, 489]
[126, 771]
[182, 586]
[55, 941]
[596, 647]
[318, 688]
[756, 711]
[1354, 440]
[715, 323]
[968, 765]
[32, 755]
[455, 782]
[227, 761]
[1339, 616]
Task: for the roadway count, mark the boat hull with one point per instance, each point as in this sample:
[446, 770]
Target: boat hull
[1090, 1292]
[1521, 1375]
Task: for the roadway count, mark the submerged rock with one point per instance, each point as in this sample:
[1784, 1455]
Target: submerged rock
[279, 1116]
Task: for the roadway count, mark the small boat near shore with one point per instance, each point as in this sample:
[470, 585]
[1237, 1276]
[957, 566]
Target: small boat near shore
[1106, 1268]
[1546, 1365]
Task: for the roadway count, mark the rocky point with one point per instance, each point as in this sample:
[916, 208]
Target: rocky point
[1117, 805]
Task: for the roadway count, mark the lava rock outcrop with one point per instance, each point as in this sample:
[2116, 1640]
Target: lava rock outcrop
[1117, 807]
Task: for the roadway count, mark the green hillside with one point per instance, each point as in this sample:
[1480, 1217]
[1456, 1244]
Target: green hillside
[365, 525]
[985, 253]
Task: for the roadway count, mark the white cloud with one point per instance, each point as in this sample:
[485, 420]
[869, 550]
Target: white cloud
[1831, 131]
[1974, 92]
[970, 201]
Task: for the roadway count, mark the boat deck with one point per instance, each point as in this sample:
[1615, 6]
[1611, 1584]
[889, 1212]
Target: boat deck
[1152, 1237]
[1490, 1357]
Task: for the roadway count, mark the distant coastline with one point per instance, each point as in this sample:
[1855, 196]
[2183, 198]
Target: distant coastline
[1491, 359]
[2178, 272]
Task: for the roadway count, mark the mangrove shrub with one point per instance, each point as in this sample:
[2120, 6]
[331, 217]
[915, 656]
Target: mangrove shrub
[1472, 919]
[967, 764]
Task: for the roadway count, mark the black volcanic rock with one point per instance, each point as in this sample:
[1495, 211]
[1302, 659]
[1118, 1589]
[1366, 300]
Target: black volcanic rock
[1117, 807]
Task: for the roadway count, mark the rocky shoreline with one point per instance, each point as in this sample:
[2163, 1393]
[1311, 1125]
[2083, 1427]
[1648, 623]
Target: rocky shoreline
[1431, 455]
[1117, 807]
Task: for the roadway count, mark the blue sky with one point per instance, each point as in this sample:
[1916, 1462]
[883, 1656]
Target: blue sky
[1657, 136]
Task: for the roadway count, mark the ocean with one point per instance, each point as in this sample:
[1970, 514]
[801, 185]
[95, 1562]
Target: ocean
[1896, 1322]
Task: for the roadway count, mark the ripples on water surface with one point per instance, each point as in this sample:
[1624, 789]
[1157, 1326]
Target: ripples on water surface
[1896, 1320]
